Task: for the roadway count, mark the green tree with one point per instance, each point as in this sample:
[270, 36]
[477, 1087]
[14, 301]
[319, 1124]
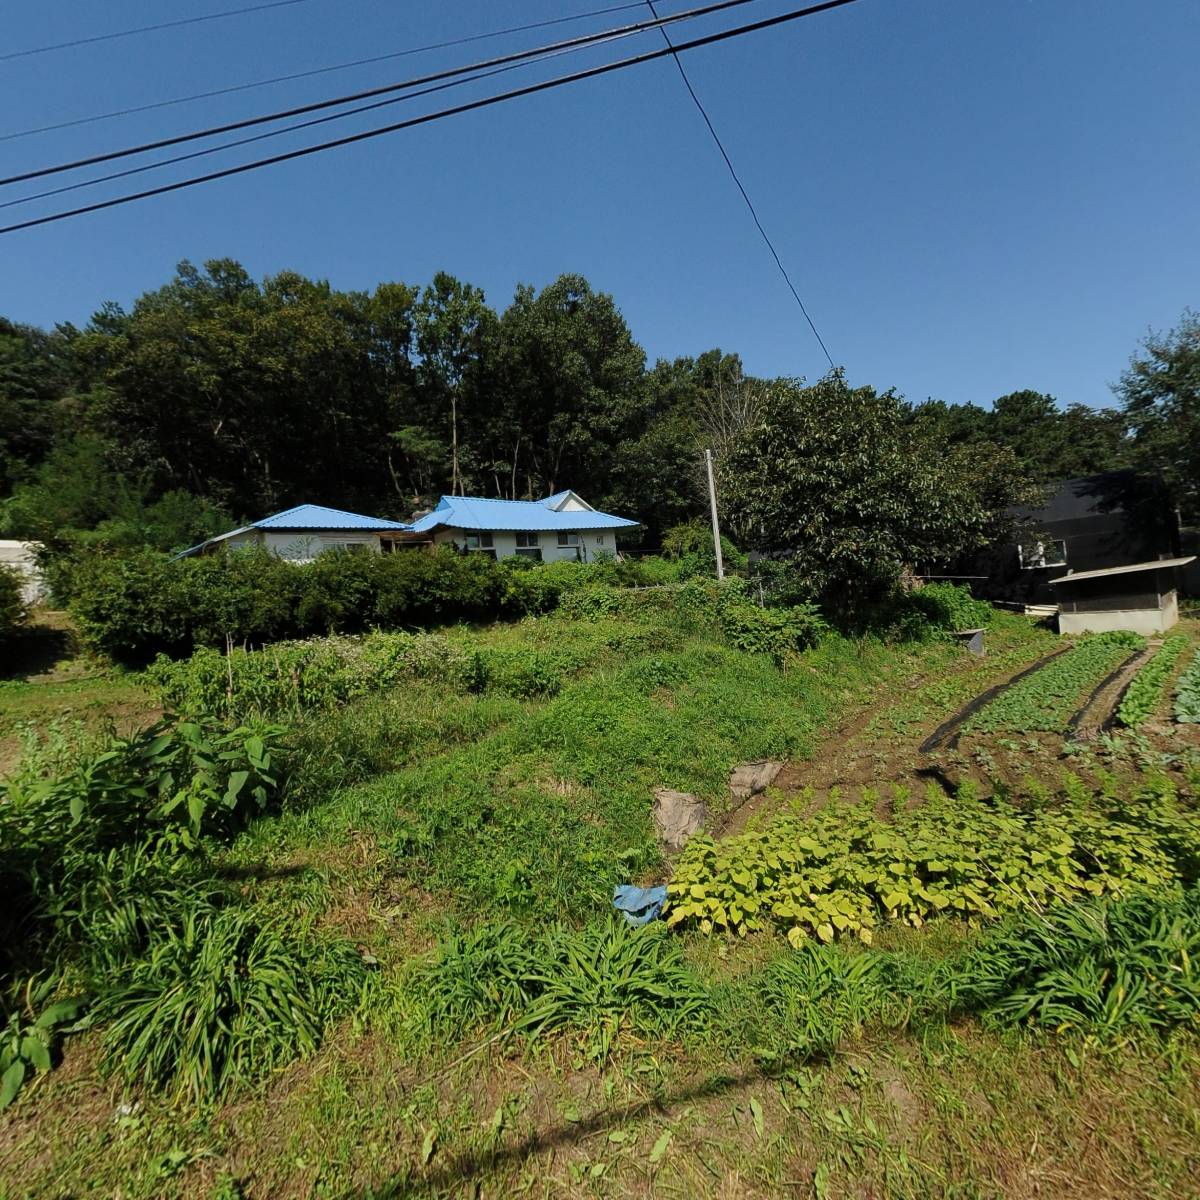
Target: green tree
[565, 385]
[453, 324]
[1160, 397]
[837, 479]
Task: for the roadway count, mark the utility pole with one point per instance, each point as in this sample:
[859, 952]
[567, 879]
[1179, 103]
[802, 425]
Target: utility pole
[712, 500]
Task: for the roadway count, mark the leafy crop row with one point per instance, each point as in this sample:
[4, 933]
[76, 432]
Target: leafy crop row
[1046, 699]
[843, 871]
[1187, 694]
[1142, 697]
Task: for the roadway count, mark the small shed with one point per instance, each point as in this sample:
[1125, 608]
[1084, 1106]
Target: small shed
[1139, 596]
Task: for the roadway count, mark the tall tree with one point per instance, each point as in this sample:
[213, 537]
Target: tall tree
[453, 323]
[1160, 396]
[835, 478]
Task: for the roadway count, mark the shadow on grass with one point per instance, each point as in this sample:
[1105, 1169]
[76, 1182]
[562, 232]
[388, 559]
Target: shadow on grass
[36, 651]
[462, 1174]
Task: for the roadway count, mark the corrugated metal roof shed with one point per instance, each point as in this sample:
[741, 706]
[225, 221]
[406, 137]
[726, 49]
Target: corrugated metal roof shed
[1158, 564]
[531, 516]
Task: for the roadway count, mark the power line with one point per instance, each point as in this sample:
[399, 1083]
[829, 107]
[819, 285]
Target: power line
[270, 133]
[124, 33]
[687, 83]
[358, 62]
[300, 110]
[470, 106]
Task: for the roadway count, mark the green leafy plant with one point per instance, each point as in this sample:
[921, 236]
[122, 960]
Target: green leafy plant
[27, 1042]
[1143, 695]
[1046, 699]
[13, 609]
[842, 871]
[595, 980]
[220, 999]
[1187, 694]
[1105, 967]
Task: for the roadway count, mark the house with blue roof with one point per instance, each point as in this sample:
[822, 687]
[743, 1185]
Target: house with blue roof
[562, 526]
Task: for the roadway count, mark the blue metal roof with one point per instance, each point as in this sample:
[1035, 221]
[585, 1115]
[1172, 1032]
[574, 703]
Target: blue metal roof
[317, 516]
[532, 516]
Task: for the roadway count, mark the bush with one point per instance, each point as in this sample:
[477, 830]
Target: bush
[133, 607]
[13, 609]
[950, 606]
[222, 999]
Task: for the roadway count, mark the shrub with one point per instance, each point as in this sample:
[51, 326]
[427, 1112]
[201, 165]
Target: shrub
[13, 610]
[221, 999]
[135, 606]
[950, 606]
[1142, 697]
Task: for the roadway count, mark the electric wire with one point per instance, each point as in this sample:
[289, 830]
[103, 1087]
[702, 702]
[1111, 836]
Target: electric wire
[687, 83]
[271, 133]
[440, 114]
[358, 62]
[124, 33]
[351, 97]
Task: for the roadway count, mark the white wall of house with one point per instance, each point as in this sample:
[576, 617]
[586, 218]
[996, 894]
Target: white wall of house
[303, 546]
[20, 557]
[504, 543]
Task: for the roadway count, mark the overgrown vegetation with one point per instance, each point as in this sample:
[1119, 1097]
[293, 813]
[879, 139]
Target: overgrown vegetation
[1046, 699]
[13, 609]
[843, 870]
[1144, 694]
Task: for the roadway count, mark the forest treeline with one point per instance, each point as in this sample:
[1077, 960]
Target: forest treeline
[217, 398]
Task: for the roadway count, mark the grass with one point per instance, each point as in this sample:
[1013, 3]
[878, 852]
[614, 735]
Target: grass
[509, 1037]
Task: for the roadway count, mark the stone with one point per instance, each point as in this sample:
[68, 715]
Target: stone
[677, 816]
[752, 778]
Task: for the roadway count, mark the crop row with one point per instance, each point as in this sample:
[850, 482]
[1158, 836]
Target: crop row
[1142, 697]
[841, 870]
[1187, 694]
[1045, 700]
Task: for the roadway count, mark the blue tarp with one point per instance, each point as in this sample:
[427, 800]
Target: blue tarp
[639, 905]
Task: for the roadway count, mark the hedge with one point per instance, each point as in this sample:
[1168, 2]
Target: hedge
[134, 607]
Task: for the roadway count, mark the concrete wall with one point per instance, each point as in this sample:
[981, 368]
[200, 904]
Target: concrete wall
[1139, 620]
[505, 543]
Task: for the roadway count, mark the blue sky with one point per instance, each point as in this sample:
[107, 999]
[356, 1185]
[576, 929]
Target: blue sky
[971, 196]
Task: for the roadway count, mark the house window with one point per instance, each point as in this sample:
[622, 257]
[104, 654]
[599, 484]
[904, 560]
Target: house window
[1042, 552]
[480, 543]
[599, 539]
[527, 546]
[566, 540]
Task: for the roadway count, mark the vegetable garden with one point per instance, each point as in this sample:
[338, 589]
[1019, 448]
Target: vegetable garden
[390, 857]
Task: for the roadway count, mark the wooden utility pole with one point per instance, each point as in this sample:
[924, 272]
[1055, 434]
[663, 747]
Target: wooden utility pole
[712, 500]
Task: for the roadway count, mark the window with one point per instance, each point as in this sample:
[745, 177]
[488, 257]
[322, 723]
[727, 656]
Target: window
[566, 540]
[1042, 552]
[478, 541]
[527, 546]
[599, 539]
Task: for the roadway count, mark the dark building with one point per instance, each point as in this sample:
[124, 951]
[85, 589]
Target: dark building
[1101, 521]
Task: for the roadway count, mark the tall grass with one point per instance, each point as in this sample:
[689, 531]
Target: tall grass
[221, 999]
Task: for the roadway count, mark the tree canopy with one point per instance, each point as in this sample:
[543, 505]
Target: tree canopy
[218, 397]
